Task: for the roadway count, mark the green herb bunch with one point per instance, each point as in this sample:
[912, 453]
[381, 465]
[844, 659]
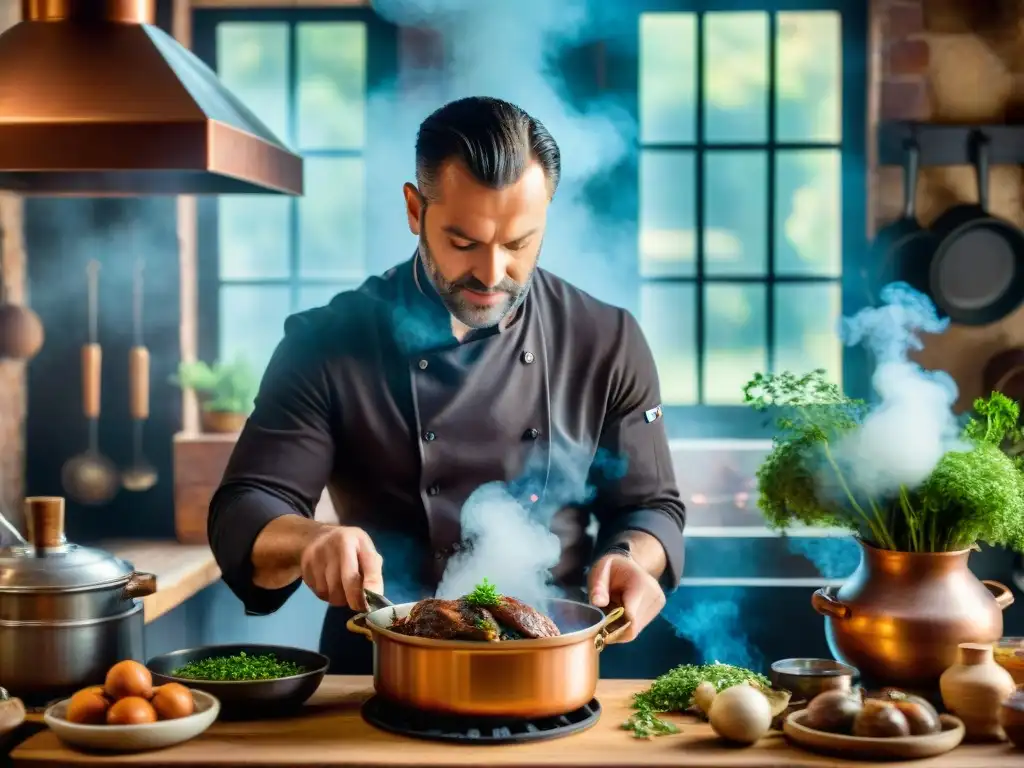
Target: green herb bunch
[484, 595]
[673, 692]
[972, 495]
[242, 666]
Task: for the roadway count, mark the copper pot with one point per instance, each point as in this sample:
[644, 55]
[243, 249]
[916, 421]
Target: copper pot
[901, 615]
[521, 678]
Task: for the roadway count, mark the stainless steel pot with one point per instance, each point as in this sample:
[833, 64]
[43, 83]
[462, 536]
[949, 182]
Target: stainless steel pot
[67, 613]
[523, 678]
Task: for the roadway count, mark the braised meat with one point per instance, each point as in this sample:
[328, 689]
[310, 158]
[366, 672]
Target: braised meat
[522, 619]
[448, 620]
[501, 618]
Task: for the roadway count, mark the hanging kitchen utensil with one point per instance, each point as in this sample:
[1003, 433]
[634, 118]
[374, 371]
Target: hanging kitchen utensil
[141, 475]
[21, 332]
[90, 477]
[5, 521]
[903, 249]
[976, 276]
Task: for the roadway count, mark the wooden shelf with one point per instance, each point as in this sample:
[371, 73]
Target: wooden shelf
[181, 570]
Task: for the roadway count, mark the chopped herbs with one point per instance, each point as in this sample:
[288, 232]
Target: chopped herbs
[484, 595]
[673, 692]
[240, 667]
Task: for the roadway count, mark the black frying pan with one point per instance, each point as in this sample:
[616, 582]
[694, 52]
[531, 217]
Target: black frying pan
[904, 248]
[977, 274]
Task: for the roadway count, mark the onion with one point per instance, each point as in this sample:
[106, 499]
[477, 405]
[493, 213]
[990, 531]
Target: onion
[740, 714]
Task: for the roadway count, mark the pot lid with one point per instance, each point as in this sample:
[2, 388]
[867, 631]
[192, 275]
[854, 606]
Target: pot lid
[97, 101]
[46, 562]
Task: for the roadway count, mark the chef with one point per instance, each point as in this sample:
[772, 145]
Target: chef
[465, 365]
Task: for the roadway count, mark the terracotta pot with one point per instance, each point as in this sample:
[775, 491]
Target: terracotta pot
[901, 615]
[974, 690]
[222, 422]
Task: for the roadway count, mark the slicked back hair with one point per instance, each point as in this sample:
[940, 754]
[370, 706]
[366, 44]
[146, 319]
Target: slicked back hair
[494, 139]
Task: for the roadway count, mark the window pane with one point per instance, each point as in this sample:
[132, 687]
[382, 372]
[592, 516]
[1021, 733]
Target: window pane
[668, 77]
[332, 219]
[252, 321]
[311, 296]
[807, 319]
[252, 236]
[735, 329]
[252, 62]
[808, 72]
[667, 213]
[332, 85]
[668, 318]
[808, 227]
[736, 76]
[736, 213]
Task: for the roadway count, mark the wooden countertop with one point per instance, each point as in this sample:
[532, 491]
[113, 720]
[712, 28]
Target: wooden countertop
[332, 733]
[181, 570]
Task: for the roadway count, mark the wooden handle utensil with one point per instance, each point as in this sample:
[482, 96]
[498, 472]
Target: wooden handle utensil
[138, 381]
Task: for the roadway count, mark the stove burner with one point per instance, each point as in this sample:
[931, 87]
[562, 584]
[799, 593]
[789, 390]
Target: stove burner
[476, 730]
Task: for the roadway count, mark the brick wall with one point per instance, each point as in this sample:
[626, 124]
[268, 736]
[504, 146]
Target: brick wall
[950, 61]
[12, 373]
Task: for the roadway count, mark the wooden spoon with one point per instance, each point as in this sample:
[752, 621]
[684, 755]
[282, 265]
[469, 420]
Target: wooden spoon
[21, 332]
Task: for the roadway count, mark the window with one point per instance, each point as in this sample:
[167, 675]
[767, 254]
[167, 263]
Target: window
[750, 197]
[306, 74]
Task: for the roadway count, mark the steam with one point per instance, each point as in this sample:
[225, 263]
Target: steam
[509, 530]
[511, 547]
[913, 425]
[715, 627]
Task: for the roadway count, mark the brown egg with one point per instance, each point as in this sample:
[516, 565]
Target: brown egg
[97, 689]
[131, 710]
[172, 701]
[88, 707]
[129, 678]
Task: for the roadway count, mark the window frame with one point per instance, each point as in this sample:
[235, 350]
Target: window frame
[382, 67]
[620, 75]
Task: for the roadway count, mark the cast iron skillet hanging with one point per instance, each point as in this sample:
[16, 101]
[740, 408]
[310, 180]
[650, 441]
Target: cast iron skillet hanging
[904, 248]
[976, 276]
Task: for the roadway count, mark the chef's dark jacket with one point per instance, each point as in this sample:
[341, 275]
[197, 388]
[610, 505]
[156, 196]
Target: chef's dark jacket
[374, 398]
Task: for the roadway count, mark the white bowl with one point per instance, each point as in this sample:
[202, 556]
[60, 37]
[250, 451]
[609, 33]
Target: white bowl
[134, 738]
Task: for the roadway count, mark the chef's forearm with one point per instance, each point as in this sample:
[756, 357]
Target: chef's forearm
[277, 551]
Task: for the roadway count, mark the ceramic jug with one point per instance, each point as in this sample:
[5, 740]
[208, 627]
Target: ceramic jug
[974, 690]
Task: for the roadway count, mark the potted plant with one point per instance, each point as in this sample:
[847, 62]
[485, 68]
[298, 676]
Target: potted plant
[913, 599]
[225, 391]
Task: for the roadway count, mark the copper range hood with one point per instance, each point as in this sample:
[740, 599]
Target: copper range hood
[97, 101]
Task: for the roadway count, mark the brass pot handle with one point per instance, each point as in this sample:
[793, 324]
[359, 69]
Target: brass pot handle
[607, 636]
[827, 605]
[1003, 594]
[357, 626]
[139, 584]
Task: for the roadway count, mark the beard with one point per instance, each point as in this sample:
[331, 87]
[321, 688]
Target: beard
[462, 309]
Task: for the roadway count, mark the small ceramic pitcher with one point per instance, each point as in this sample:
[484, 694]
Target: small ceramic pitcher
[974, 690]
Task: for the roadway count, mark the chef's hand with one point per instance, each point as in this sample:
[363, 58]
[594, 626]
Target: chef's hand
[340, 563]
[619, 580]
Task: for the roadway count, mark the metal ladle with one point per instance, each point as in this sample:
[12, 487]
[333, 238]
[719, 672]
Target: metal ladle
[90, 477]
[141, 475]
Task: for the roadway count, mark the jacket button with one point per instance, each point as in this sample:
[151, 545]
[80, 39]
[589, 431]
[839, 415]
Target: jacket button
[429, 436]
[527, 357]
[423, 365]
[433, 490]
[531, 434]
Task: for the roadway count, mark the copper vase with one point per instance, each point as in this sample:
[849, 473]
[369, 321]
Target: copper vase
[901, 615]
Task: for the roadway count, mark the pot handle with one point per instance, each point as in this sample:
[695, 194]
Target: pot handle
[139, 584]
[357, 626]
[607, 636]
[829, 606]
[1002, 593]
